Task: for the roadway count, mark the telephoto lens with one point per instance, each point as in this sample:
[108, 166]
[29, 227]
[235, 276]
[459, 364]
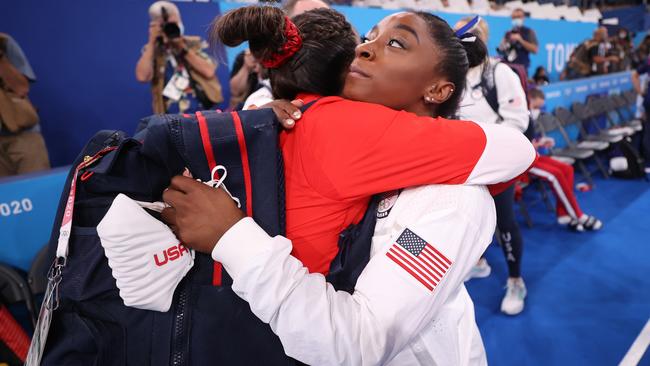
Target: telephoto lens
[171, 30]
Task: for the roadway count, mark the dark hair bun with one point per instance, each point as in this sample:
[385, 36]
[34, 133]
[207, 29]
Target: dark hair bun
[262, 26]
[318, 67]
[475, 49]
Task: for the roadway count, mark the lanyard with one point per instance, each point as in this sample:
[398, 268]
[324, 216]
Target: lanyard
[51, 299]
[66, 223]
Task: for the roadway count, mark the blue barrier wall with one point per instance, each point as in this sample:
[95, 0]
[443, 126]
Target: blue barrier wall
[27, 208]
[565, 93]
[84, 55]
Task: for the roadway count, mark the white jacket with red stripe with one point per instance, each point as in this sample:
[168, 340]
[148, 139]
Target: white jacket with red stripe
[407, 308]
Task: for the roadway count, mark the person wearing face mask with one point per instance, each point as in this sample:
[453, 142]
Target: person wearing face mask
[519, 42]
[181, 73]
[494, 94]
[598, 51]
[558, 175]
[621, 47]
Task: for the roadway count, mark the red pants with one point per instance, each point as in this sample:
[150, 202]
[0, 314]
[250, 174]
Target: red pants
[560, 177]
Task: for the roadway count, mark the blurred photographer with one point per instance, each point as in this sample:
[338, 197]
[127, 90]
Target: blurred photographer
[22, 148]
[181, 73]
[599, 52]
[622, 47]
[519, 42]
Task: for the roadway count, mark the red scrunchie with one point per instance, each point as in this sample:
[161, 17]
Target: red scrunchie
[289, 48]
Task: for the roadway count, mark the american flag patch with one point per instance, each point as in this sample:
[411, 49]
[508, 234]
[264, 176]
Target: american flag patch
[419, 258]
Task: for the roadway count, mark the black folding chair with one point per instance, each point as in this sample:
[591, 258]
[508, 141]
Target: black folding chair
[547, 123]
[615, 121]
[585, 141]
[534, 183]
[620, 102]
[37, 276]
[587, 115]
[14, 289]
[631, 98]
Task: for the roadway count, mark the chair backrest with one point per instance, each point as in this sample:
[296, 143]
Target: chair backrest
[565, 116]
[581, 111]
[37, 276]
[571, 124]
[619, 100]
[630, 96]
[546, 123]
[607, 103]
[596, 105]
[550, 126]
[624, 109]
[601, 111]
[14, 288]
[612, 107]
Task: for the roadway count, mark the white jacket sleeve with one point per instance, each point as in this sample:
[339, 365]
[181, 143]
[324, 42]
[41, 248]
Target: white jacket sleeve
[394, 299]
[513, 106]
[507, 154]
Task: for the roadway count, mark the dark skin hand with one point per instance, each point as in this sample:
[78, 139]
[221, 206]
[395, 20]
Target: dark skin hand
[286, 112]
[199, 214]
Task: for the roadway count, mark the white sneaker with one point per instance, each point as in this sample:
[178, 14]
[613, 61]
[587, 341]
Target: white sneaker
[513, 302]
[564, 220]
[481, 270]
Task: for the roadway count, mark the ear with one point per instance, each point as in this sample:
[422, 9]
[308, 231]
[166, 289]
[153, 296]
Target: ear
[439, 92]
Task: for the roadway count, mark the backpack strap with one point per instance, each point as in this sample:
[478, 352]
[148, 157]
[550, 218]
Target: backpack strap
[488, 86]
[212, 163]
[305, 107]
[209, 152]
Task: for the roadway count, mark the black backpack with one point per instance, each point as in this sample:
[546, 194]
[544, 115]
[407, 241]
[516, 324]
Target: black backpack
[635, 162]
[207, 324]
[488, 87]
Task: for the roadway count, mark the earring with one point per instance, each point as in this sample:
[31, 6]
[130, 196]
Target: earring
[428, 99]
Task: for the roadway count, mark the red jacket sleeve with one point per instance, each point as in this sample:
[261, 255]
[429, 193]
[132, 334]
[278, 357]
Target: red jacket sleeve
[358, 149]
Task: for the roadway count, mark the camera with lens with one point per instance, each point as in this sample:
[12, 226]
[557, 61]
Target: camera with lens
[171, 29]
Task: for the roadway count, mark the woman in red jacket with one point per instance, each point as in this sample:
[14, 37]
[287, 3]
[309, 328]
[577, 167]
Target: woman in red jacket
[343, 151]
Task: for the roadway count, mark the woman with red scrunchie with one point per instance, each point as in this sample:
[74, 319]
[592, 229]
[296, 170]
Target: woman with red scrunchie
[342, 152]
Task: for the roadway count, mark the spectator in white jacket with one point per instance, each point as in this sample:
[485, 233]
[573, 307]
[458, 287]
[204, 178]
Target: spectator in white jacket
[494, 94]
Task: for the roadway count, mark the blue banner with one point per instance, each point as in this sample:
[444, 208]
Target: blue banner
[565, 93]
[27, 208]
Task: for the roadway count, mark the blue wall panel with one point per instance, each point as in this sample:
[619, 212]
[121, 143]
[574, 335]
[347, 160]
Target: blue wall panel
[27, 208]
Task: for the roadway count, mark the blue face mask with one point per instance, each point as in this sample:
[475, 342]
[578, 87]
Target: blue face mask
[517, 22]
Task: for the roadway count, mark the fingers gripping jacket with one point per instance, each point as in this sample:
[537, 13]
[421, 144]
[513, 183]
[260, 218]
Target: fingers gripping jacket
[146, 258]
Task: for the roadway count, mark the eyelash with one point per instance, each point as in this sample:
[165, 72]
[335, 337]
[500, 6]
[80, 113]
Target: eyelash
[396, 41]
[365, 39]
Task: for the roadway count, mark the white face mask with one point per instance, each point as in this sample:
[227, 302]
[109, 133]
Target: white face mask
[534, 113]
[146, 258]
[517, 22]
